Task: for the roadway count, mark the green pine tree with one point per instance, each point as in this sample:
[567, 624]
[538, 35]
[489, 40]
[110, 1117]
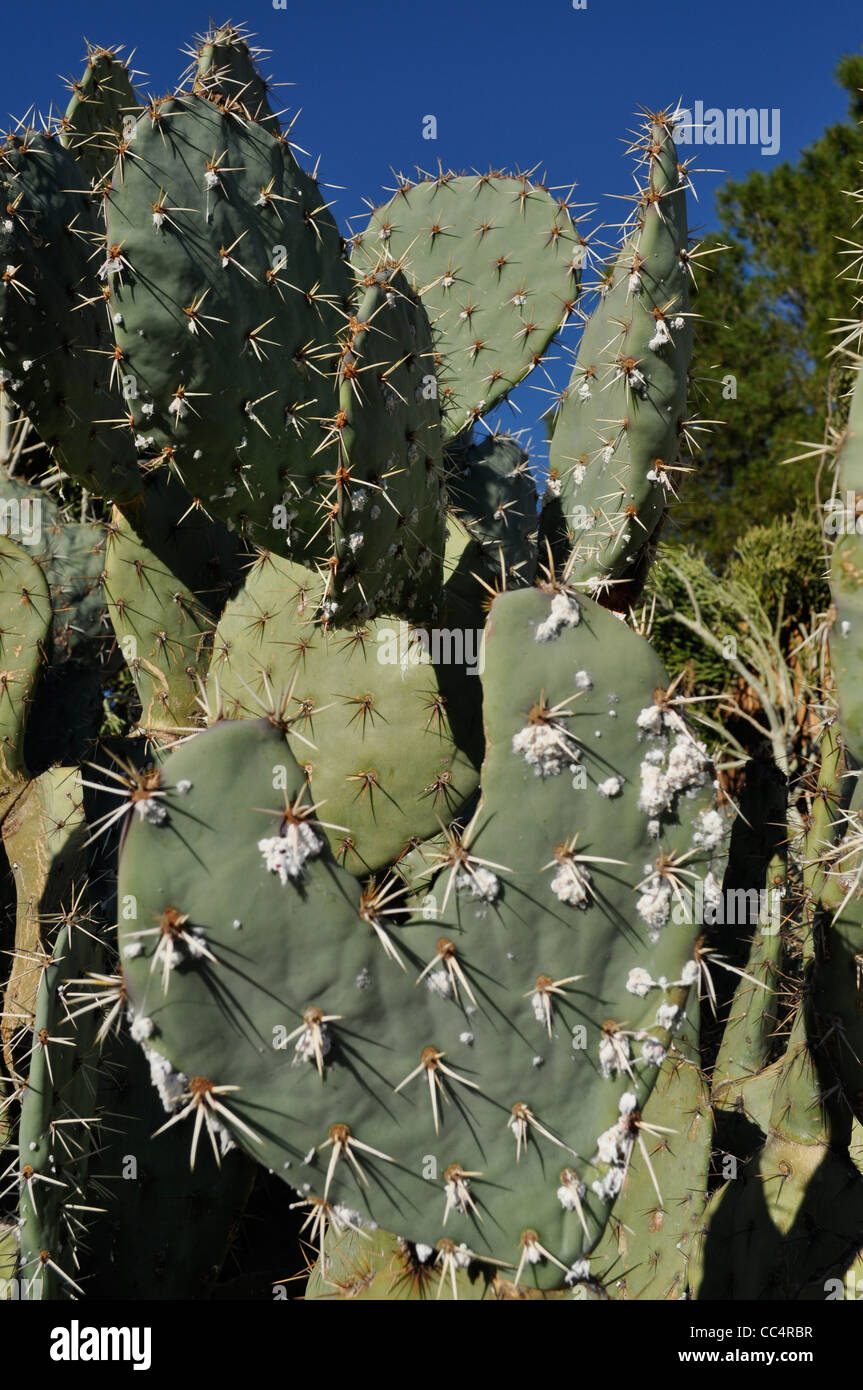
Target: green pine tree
[769, 303]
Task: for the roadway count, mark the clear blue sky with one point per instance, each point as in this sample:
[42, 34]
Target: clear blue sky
[527, 83]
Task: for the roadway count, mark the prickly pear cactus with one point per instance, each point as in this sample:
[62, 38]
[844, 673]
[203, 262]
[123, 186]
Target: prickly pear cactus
[97, 122]
[614, 454]
[223, 259]
[56, 1132]
[498, 261]
[347, 702]
[55, 338]
[401, 880]
[656, 1227]
[26, 614]
[544, 985]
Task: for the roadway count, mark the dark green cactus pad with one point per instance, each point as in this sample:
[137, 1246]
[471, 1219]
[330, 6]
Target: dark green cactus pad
[71, 555]
[74, 563]
[164, 1230]
[615, 445]
[56, 350]
[492, 494]
[385, 454]
[226, 73]
[387, 743]
[102, 104]
[82, 648]
[497, 261]
[25, 627]
[78, 651]
[226, 261]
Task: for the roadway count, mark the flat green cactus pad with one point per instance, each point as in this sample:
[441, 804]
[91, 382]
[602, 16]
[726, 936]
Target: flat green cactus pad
[370, 712]
[475, 1070]
[223, 258]
[497, 260]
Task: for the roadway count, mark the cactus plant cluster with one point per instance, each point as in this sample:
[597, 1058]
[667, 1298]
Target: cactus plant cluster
[408, 881]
